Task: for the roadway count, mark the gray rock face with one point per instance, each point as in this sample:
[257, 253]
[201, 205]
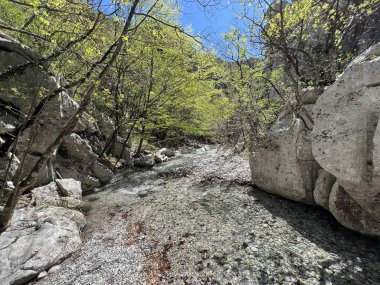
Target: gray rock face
[350, 213]
[74, 146]
[339, 134]
[36, 240]
[20, 90]
[101, 172]
[4, 163]
[158, 158]
[85, 160]
[121, 149]
[161, 155]
[70, 168]
[145, 161]
[310, 95]
[41, 236]
[346, 141]
[48, 195]
[285, 165]
[69, 187]
[323, 187]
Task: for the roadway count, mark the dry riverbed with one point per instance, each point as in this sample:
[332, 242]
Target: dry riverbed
[197, 220]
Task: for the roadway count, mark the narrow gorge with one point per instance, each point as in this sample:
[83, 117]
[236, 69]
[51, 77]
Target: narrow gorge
[133, 152]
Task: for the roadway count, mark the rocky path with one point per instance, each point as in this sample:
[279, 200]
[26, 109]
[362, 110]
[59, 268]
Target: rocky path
[196, 220]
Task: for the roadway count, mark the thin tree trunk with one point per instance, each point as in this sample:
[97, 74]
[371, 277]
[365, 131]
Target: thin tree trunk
[27, 183]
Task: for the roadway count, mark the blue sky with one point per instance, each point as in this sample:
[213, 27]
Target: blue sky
[211, 21]
[207, 18]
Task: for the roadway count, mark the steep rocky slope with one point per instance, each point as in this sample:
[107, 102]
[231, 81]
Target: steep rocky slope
[34, 103]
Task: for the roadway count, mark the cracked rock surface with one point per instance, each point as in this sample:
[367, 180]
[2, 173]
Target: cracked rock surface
[36, 240]
[197, 220]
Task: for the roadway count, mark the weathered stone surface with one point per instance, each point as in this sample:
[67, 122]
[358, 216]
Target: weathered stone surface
[158, 158]
[36, 240]
[103, 173]
[323, 186]
[145, 161]
[74, 146]
[70, 168]
[70, 187]
[350, 214]
[309, 95]
[167, 151]
[48, 195]
[121, 149]
[78, 149]
[50, 190]
[346, 121]
[346, 140]
[285, 165]
[20, 90]
[4, 163]
[46, 173]
[42, 275]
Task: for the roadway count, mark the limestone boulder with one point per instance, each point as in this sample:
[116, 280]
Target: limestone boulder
[284, 165]
[49, 195]
[160, 158]
[20, 92]
[78, 149]
[70, 187]
[103, 173]
[346, 141]
[71, 168]
[121, 149]
[145, 161]
[322, 189]
[166, 152]
[162, 155]
[350, 213]
[36, 240]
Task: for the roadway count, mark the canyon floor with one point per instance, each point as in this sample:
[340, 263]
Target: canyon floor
[197, 220]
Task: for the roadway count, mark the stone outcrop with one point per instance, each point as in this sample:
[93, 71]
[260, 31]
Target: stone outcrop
[145, 161]
[22, 93]
[325, 149]
[75, 151]
[346, 142]
[41, 236]
[69, 187]
[285, 164]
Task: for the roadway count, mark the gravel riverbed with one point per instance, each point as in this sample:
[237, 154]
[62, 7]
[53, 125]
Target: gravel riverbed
[197, 220]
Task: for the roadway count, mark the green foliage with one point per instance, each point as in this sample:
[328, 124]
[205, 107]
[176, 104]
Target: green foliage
[162, 80]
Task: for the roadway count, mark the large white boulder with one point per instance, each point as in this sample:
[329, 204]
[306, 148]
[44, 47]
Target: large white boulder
[70, 187]
[346, 141]
[284, 165]
[37, 240]
[76, 148]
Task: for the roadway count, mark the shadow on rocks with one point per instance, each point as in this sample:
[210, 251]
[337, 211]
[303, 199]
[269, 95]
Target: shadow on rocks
[358, 255]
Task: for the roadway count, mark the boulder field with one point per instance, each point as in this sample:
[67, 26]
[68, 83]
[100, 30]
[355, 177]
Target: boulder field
[324, 149]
